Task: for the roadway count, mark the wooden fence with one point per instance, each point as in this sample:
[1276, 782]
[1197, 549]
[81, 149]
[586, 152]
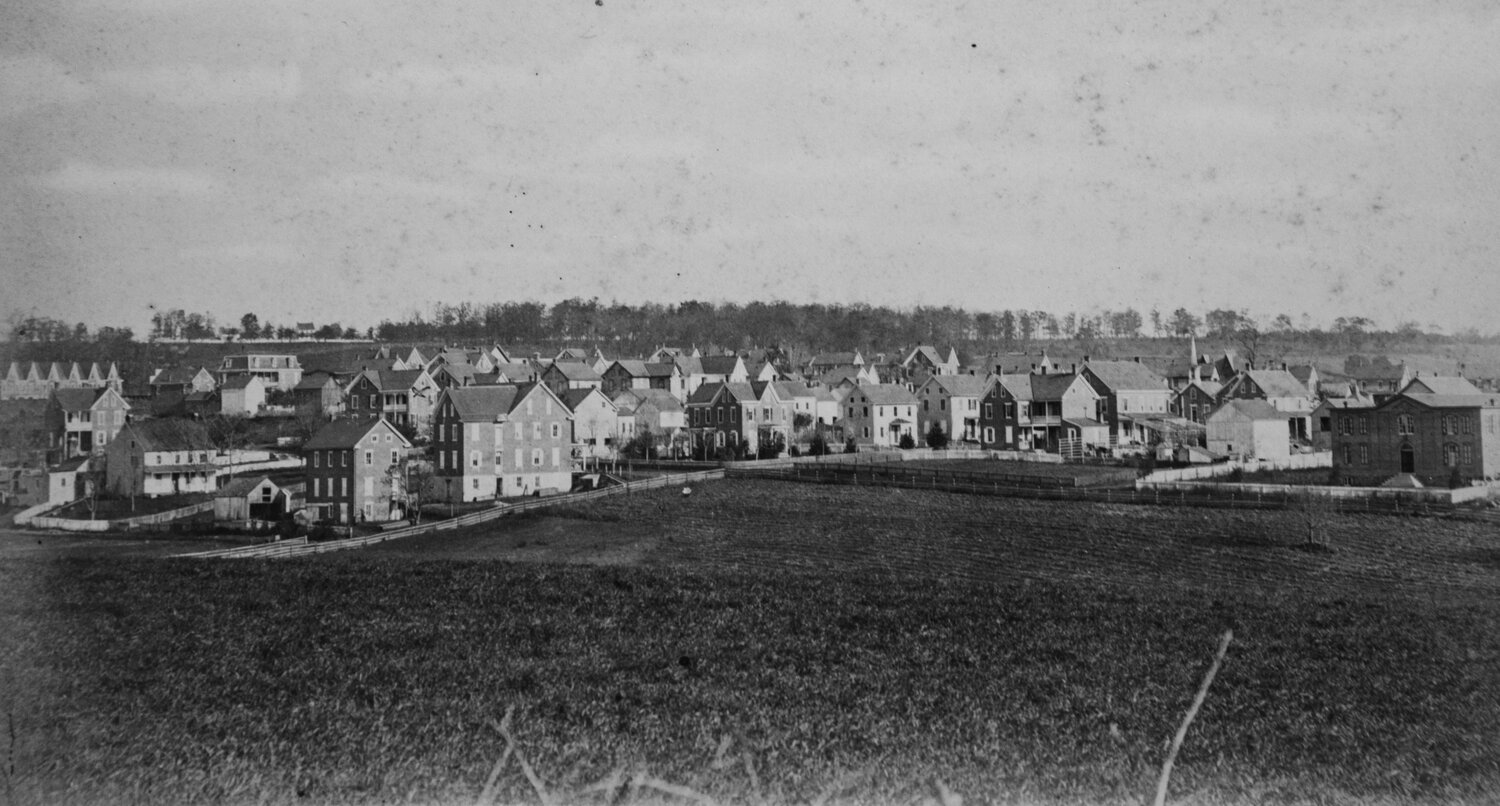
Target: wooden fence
[1217, 496]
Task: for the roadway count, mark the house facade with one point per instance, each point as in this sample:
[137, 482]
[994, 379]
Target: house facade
[1041, 411]
[242, 396]
[880, 415]
[404, 397]
[501, 441]
[1248, 429]
[624, 375]
[1438, 438]
[1130, 394]
[277, 371]
[952, 401]
[352, 469]
[161, 457]
[81, 422]
[595, 423]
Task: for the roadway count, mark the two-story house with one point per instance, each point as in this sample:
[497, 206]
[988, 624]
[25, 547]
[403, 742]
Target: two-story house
[626, 374]
[183, 380]
[1041, 411]
[880, 415]
[84, 421]
[924, 361]
[504, 440]
[738, 416]
[596, 421]
[951, 401]
[353, 471]
[405, 397]
[319, 394]
[1195, 400]
[1131, 395]
[161, 457]
[565, 376]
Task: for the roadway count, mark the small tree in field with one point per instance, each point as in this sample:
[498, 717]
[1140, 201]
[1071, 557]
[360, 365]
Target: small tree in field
[937, 438]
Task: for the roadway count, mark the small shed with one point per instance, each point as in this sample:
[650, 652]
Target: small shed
[251, 498]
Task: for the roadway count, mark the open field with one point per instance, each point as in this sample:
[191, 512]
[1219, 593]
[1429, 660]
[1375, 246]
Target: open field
[771, 526]
[1039, 472]
[773, 642]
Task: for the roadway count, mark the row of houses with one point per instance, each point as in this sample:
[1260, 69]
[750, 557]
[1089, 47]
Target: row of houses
[34, 381]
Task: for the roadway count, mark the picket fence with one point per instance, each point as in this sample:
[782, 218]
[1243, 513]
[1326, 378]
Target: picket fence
[291, 548]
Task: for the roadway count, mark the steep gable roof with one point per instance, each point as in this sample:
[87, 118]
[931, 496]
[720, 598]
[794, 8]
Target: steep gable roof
[573, 398]
[662, 399]
[720, 364]
[1051, 386]
[76, 399]
[243, 486]
[1016, 385]
[481, 403]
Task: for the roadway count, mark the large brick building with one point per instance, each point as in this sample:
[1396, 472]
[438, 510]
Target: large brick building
[353, 471]
[1438, 430]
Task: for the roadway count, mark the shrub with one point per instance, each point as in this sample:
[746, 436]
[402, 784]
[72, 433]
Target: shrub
[907, 443]
[819, 445]
[937, 438]
[850, 446]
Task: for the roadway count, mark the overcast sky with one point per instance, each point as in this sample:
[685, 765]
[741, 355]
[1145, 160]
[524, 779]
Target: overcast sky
[340, 160]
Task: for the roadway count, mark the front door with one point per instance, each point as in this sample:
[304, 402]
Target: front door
[1408, 459]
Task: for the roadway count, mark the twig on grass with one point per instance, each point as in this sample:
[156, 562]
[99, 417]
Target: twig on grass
[644, 781]
[503, 728]
[1208, 679]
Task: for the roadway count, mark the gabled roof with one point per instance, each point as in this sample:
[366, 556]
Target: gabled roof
[787, 390]
[1051, 385]
[1210, 388]
[392, 380]
[660, 398]
[571, 354]
[168, 434]
[1017, 385]
[76, 399]
[243, 486]
[314, 381]
[1481, 400]
[931, 356]
[1441, 385]
[482, 403]
[1252, 409]
[1121, 376]
[705, 393]
[573, 398]
[346, 434]
[719, 364]
[574, 371]
[1303, 373]
[960, 385]
[886, 394]
[1276, 382]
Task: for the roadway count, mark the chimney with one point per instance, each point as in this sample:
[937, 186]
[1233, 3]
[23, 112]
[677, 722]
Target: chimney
[1073, 368]
[1284, 367]
[1085, 359]
[1033, 367]
[1137, 359]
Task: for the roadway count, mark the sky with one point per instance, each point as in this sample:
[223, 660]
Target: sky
[354, 161]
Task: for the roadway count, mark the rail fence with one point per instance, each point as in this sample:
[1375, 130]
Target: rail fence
[297, 548]
[1200, 496]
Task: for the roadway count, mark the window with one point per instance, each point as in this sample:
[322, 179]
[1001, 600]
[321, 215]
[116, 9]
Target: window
[394, 458]
[1364, 454]
[1348, 454]
[474, 459]
[1466, 454]
[1405, 425]
[369, 458]
[1364, 424]
[989, 414]
[536, 429]
[943, 404]
[556, 430]
[316, 462]
[474, 483]
[536, 457]
[1450, 455]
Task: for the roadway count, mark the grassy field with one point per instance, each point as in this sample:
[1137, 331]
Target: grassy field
[1041, 471]
[771, 642]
